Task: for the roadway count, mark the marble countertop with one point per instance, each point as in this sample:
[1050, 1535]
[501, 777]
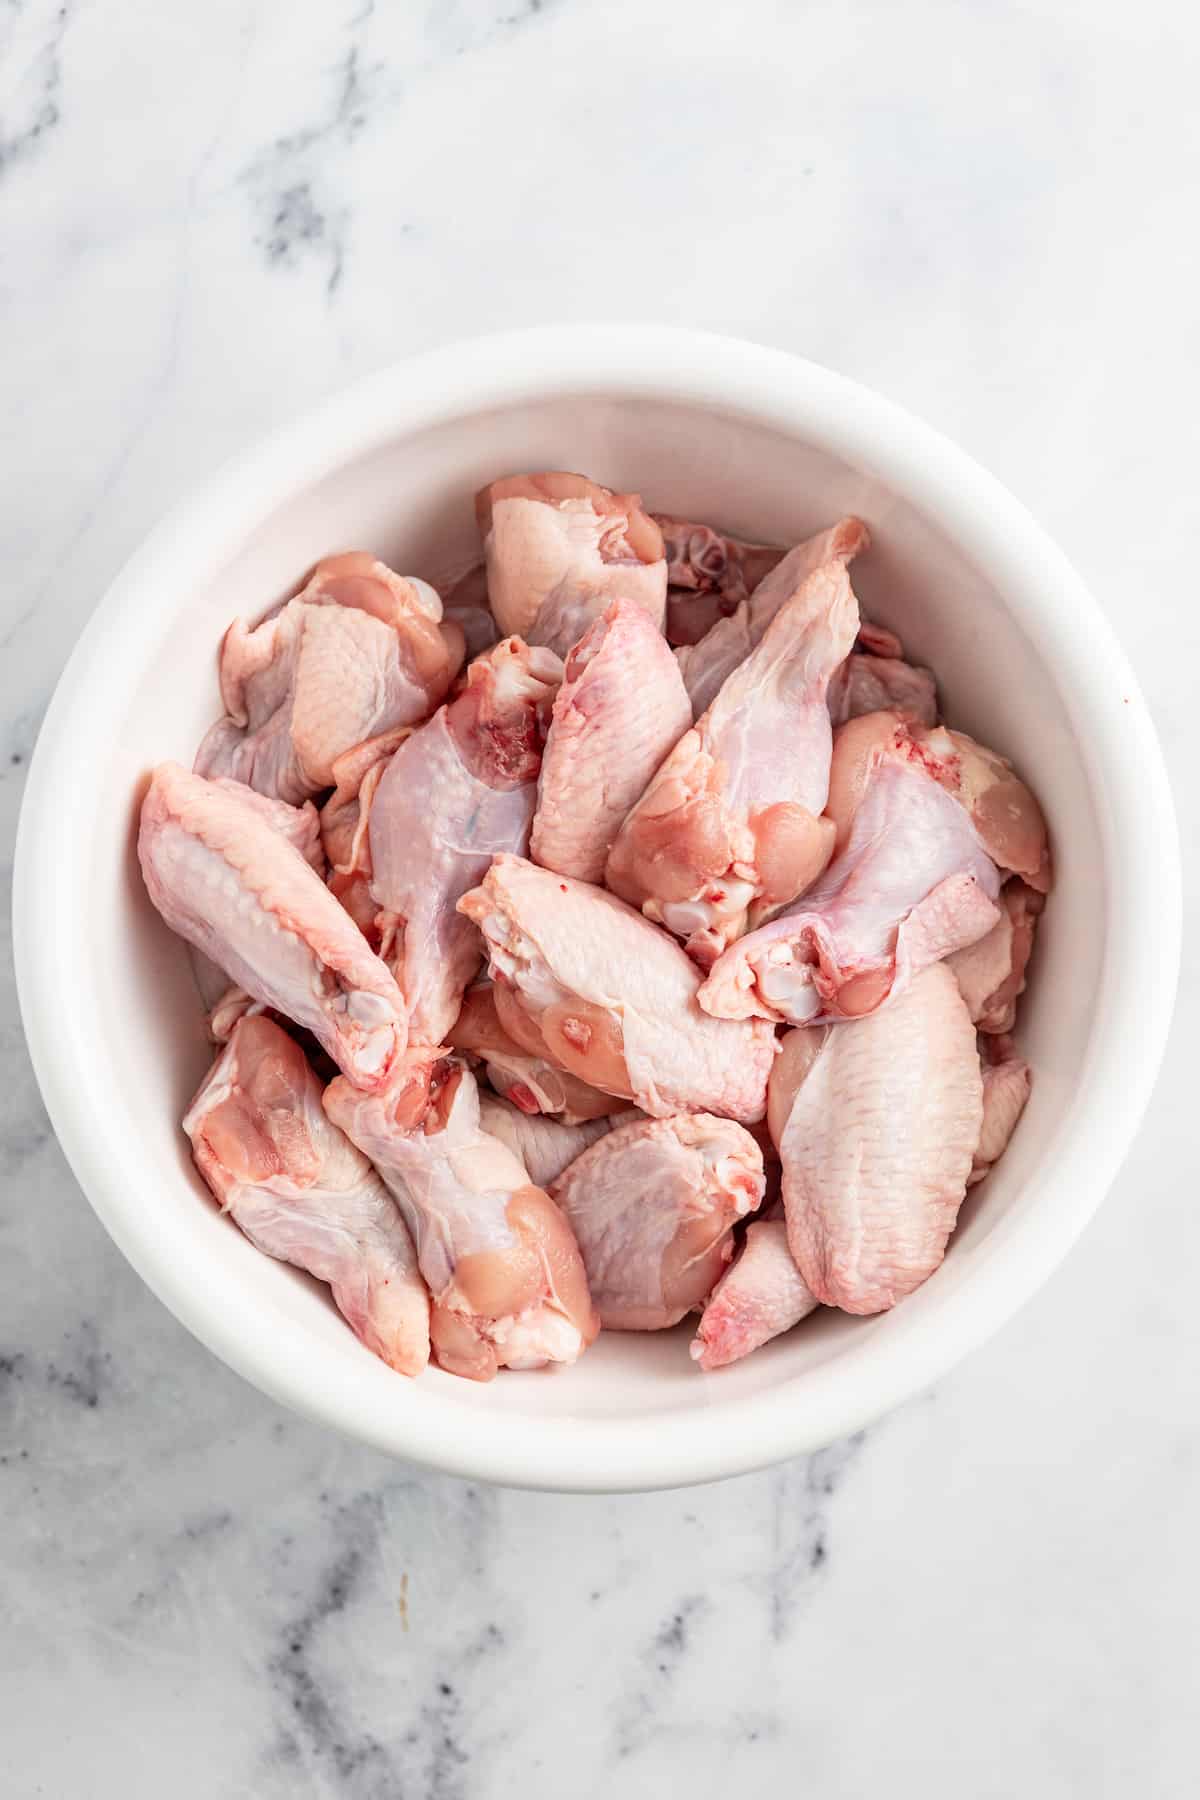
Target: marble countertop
[213, 215]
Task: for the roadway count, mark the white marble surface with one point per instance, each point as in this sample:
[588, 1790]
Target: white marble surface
[212, 214]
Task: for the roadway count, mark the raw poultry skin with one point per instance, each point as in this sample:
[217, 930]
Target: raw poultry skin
[621, 708]
[1006, 1082]
[991, 973]
[879, 640]
[730, 829]
[761, 1295]
[877, 1124]
[867, 684]
[528, 1079]
[356, 775]
[457, 791]
[299, 826]
[545, 1145]
[301, 1192]
[226, 878]
[706, 666]
[923, 818]
[227, 1001]
[653, 1206]
[465, 606]
[599, 990]
[357, 653]
[1002, 809]
[690, 616]
[708, 575]
[559, 548]
[498, 1256]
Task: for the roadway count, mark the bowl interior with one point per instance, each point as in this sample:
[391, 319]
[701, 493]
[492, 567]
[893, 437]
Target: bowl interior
[409, 500]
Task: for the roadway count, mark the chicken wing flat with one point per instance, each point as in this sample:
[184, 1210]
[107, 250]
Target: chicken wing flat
[457, 791]
[226, 878]
[621, 708]
[301, 1192]
[877, 1124]
[610, 997]
[706, 666]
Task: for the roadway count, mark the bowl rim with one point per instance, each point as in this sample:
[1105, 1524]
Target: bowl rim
[1135, 817]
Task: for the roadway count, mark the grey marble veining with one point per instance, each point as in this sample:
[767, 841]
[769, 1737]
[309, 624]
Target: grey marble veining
[210, 217]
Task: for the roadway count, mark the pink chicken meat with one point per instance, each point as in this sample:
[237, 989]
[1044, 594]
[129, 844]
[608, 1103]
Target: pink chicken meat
[923, 819]
[356, 775]
[622, 706]
[877, 1125]
[301, 1192]
[545, 1145]
[466, 607]
[500, 1260]
[357, 653]
[530, 1081]
[559, 548]
[867, 684]
[708, 575]
[730, 829]
[226, 878]
[761, 1295]
[456, 792]
[588, 982]
[1006, 1082]
[991, 973]
[301, 826]
[707, 665]
[653, 1206]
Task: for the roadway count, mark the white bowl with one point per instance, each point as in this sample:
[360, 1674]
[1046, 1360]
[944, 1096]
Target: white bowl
[765, 445]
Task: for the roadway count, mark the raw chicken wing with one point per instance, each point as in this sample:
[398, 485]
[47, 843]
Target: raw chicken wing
[227, 1001]
[708, 575]
[761, 1295]
[877, 1124]
[1006, 1084]
[867, 684]
[730, 829]
[356, 775]
[457, 791]
[706, 666]
[498, 1256]
[299, 826]
[653, 1206]
[228, 880]
[358, 652]
[595, 987]
[705, 561]
[991, 973]
[301, 1191]
[559, 548]
[912, 881]
[1002, 809]
[530, 1081]
[467, 607]
[546, 1146]
[622, 706]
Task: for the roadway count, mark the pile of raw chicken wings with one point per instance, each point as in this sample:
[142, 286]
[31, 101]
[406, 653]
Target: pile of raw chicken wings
[609, 933]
